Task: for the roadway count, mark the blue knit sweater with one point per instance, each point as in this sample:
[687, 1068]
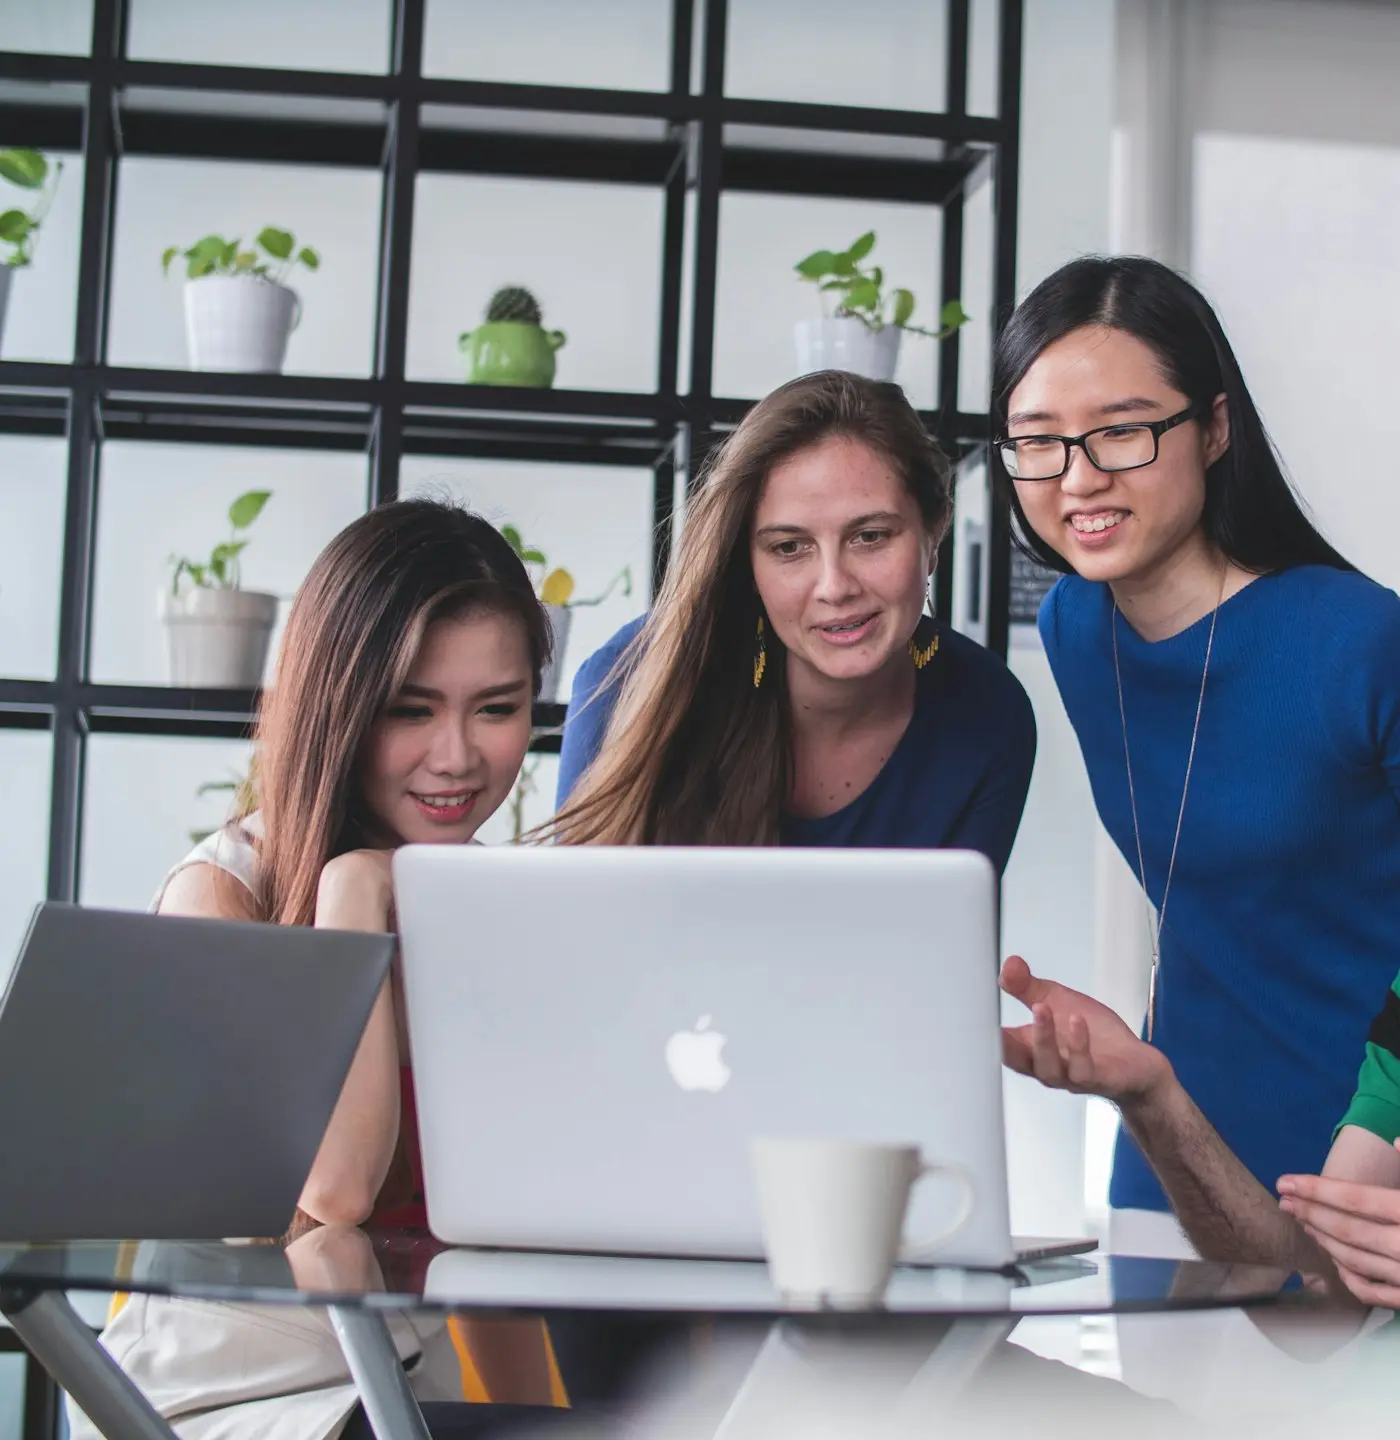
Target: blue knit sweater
[1283, 926]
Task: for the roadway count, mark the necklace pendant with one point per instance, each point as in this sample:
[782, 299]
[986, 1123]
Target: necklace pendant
[1152, 1000]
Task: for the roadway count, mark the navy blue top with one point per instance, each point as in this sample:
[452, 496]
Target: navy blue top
[957, 779]
[1282, 929]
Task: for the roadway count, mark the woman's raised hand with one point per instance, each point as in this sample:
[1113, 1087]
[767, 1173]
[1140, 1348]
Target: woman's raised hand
[1074, 1043]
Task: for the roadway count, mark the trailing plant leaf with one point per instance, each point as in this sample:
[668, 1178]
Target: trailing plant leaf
[558, 582]
[558, 587]
[220, 571]
[817, 264]
[862, 247]
[277, 243]
[860, 292]
[26, 168]
[29, 170]
[273, 255]
[952, 316]
[247, 508]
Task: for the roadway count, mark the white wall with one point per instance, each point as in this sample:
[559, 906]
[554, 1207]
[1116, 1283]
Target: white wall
[1047, 913]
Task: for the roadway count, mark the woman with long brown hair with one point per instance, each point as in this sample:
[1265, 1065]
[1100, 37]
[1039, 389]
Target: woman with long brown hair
[399, 713]
[787, 687]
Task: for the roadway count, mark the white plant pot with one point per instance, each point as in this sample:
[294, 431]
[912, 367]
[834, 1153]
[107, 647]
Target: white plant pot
[560, 618]
[844, 343]
[239, 322]
[217, 639]
[7, 274]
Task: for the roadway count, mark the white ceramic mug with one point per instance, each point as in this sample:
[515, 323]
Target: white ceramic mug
[833, 1215]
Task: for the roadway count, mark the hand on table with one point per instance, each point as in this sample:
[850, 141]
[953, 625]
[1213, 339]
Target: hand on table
[1357, 1225]
[1075, 1043]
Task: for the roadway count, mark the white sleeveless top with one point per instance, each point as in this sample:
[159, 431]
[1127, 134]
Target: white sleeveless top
[216, 1371]
[233, 848]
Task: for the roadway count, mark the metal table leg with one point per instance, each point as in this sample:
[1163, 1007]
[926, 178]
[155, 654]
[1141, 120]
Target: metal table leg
[378, 1374]
[64, 1344]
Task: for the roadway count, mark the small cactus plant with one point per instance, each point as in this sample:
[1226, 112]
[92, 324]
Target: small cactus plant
[514, 303]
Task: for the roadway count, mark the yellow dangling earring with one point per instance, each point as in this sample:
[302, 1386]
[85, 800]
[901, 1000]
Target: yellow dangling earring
[760, 659]
[922, 657]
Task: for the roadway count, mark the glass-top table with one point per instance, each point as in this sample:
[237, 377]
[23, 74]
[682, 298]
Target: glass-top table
[352, 1268]
[883, 1368]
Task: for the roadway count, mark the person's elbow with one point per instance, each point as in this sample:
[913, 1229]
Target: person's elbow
[345, 1202]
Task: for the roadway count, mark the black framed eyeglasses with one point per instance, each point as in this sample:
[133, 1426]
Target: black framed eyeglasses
[1109, 448]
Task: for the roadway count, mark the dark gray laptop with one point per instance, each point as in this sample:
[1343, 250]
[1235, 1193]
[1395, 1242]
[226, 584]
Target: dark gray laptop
[171, 1078]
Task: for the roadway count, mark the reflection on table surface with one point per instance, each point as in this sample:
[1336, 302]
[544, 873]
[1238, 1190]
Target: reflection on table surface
[1193, 1349]
[410, 1269]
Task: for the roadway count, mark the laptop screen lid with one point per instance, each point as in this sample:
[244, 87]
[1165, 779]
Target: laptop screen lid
[163, 1077]
[598, 1032]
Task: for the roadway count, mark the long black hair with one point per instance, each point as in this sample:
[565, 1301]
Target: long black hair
[1251, 514]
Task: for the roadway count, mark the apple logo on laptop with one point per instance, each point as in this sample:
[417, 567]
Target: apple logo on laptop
[694, 1060]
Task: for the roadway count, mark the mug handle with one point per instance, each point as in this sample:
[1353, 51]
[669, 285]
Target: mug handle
[917, 1249]
[296, 313]
[554, 338]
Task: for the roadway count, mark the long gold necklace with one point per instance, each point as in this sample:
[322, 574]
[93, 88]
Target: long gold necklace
[1154, 936]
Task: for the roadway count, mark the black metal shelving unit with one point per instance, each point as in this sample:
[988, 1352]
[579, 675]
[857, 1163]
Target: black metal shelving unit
[693, 144]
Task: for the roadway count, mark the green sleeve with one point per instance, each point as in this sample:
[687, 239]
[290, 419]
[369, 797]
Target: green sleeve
[1376, 1104]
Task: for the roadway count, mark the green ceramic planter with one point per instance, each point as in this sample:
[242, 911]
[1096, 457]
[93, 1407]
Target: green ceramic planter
[509, 352]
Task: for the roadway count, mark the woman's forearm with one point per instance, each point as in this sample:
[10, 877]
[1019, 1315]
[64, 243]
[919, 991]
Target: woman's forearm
[358, 1146]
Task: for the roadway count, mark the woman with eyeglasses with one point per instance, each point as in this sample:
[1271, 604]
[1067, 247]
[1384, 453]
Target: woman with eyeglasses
[1235, 687]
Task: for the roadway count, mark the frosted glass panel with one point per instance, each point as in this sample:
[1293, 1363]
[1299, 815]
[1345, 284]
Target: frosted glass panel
[885, 53]
[607, 44]
[175, 202]
[979, 268]
[759, 299]
[49, 27]
[25, 766]
[590, 253]
[591, 519]
[141, 810]
[158, 500]
[11, 1397]
[984, 39]
[292, 34]
[43, 303]
[33, 478]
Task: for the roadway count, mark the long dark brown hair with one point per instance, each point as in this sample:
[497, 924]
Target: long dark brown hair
[354, 631]
[1251, 515]
[694, 753]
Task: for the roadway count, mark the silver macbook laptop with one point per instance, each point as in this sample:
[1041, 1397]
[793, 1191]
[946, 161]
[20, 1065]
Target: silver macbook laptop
[598, 1032]
[169, 1078]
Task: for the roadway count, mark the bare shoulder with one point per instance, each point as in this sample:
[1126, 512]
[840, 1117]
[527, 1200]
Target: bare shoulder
[1363, 1158]
[210, 892]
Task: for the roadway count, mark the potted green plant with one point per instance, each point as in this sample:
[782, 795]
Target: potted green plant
[511, 347]
[239, 309]
[556, 591]
[217, 633]
[866, 322]
[19, 228]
